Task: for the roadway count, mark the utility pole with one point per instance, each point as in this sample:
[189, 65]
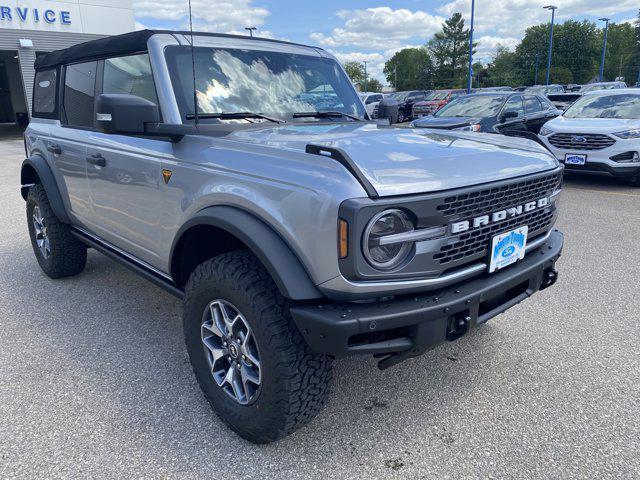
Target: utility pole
[470, 73]
[604, 46]
[535, 80]
[251, 29]
[553, 17]
[365, 76]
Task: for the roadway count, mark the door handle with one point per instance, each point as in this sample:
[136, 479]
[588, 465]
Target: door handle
[54, 148]
[97, 160]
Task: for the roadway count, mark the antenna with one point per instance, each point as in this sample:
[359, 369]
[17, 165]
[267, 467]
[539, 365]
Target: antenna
[193, 68]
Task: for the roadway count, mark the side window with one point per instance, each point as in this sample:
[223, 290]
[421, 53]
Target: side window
[514, 104]
[370, 99]
[79, 87]
[130, 75]
[44, 93]
[532, 105]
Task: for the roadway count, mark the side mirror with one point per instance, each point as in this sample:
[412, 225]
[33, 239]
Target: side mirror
[507, 115]
[125, 114]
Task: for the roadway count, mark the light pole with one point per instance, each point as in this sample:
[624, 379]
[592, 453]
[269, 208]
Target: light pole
[470, 73]
[553, 17]
[365, 75]
[251, 29]
[604, 45]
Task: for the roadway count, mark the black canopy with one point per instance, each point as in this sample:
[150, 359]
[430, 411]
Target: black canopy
[118, 45]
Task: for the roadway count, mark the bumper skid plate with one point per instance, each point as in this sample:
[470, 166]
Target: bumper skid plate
[408, 326]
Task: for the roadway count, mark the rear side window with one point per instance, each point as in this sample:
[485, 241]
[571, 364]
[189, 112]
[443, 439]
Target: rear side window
[532, 105]
[79, 94]
[129, 75]
[44, 93]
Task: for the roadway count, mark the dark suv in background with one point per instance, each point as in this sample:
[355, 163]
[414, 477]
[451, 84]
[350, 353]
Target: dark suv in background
[406, 101]
[492, 112]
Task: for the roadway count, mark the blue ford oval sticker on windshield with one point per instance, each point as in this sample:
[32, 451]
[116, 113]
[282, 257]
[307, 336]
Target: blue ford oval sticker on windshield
[508, 248]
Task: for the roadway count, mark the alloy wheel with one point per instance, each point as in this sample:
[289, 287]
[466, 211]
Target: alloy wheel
[40, 229]
[231, 351]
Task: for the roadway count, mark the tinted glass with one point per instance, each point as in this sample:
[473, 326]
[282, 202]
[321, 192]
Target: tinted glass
[532, 105]
[79, 85]
[44, 92]
[270, 83]
[514, 104]
[626, 105]
[472, 106]
[130, 75]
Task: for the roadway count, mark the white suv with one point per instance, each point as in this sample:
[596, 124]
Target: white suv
[599, 134]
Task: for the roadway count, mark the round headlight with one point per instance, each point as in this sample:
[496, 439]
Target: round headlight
[382, 255]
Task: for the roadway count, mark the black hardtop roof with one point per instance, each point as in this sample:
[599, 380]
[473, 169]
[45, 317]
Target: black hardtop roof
[125, 44]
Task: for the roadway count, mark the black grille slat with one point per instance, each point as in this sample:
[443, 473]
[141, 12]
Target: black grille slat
[491, 199]
[476, 242]
[593, 141]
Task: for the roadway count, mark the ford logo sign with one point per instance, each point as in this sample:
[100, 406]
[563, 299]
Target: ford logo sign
[578, 139]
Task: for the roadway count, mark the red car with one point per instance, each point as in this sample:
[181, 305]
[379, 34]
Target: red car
[434, 102]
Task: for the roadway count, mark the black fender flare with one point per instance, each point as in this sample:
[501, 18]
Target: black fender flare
[48, 181]
[281, 262]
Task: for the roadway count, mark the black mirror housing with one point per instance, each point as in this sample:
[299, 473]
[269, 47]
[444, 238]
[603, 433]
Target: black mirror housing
[124, 114]
[507, 115]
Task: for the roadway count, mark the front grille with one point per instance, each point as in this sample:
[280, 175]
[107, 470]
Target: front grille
[581, 141]
[476, 242]
[492, 199]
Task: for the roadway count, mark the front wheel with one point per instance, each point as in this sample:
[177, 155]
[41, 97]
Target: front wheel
[252, 364]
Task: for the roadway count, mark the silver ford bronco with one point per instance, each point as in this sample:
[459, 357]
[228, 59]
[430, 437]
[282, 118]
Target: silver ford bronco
[243, 176]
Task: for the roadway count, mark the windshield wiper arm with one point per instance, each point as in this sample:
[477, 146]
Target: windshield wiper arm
[234, 116]
[326, 114]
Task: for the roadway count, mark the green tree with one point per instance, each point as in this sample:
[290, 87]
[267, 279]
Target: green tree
[622, 55]
[355, 70]
[409, 69]
[502, 69]
[373, 85]
[450, 51]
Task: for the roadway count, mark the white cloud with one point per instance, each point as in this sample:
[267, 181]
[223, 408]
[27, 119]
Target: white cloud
[487, 46]
[224, 16]
[379, 28]
[510, 18]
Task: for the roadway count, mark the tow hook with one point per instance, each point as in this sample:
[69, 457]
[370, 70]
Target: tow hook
[458, 326]
[549, 277]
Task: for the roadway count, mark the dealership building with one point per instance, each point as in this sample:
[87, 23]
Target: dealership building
[31, 27]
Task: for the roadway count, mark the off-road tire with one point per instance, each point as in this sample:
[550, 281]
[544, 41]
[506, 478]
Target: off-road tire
[68, 256]
[295, 380]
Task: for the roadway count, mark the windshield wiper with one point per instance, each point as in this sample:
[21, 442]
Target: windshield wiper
[328, 114]
[234, 116]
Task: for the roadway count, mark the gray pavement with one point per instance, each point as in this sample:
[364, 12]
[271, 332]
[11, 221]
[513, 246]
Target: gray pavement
[95, 380]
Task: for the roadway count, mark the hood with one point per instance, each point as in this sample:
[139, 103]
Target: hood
[400, 161]
[444, 122]
[592, 125]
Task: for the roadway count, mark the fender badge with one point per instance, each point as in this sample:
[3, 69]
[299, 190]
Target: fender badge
[166, 174]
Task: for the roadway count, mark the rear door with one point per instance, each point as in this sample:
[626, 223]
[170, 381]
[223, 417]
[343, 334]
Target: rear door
[124, 172]
[536, 114]
[67, 143]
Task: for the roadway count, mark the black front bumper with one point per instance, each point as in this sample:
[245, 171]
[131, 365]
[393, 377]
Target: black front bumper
[410, 325]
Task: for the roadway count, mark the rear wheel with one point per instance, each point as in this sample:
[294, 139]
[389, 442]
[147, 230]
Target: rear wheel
[59, 253]
[252, 364]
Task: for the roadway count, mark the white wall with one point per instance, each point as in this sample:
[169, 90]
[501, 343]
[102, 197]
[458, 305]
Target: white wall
[100, 17]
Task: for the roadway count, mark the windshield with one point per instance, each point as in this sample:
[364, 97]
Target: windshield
[626, 105]
[270, 83]
[438, 96]
[597, 86]
[399, 96]
[472, 106]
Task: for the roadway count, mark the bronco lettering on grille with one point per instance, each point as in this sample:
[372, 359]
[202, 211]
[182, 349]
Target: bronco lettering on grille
[499, 216]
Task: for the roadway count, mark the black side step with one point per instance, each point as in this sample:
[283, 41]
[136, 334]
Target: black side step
[132, 265]
[347, 162]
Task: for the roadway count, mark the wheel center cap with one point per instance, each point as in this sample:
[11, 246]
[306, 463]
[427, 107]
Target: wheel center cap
[233, 350]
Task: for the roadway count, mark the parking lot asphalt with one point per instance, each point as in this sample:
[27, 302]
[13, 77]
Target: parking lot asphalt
[95, 380]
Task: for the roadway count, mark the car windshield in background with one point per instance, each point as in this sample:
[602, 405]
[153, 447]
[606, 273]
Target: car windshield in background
[438, 96]
[400, 96]
[472, 106]
[269, 83]
[626, 105]
[591, 88]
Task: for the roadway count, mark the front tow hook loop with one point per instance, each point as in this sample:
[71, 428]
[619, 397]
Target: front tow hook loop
[549, 277]
[458, 327]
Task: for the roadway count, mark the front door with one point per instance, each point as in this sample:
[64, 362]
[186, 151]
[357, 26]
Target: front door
[124, 172]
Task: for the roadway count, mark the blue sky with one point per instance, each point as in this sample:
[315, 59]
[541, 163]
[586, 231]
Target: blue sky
[373, 31]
